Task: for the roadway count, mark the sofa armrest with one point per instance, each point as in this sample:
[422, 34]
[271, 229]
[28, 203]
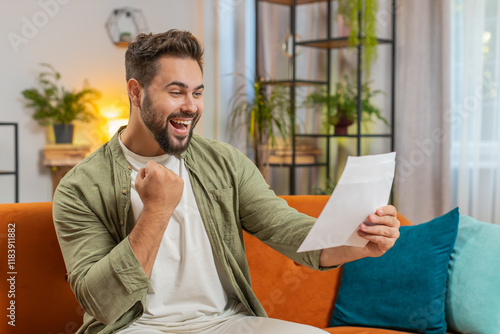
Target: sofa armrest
[44, 302]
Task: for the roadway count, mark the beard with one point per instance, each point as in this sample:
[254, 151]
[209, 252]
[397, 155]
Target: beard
[160, 130]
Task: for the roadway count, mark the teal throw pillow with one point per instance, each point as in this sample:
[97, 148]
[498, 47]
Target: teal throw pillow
[405, 288]
[473, 296]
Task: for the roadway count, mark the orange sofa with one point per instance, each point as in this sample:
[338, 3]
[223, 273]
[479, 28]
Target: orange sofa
[43, 302]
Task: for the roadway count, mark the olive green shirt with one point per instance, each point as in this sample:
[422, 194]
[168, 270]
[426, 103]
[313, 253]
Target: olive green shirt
[93, 217]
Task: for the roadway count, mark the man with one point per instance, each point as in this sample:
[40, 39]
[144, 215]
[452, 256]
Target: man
[150, 225]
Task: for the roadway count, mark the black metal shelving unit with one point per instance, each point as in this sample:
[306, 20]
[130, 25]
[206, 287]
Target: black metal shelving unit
[14, 172]
[328, 44]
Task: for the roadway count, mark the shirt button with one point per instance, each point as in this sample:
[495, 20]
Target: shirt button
[121, 222]
[124, 192]
[129, 168]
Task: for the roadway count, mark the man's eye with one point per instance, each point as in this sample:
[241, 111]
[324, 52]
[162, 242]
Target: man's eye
[175, 93]
[198, 94]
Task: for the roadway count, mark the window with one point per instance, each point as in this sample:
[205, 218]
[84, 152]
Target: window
[475, 114]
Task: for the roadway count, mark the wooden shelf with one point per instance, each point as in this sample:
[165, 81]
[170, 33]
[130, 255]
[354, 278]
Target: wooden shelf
[58, 155]
[60, 158]
[335, 43]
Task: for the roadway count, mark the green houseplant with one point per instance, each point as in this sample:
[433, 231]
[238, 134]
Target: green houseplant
[341, 106]
[57, 106]
[266, 116]
[350, 11]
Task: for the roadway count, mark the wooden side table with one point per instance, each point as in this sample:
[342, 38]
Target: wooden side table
[61, 158]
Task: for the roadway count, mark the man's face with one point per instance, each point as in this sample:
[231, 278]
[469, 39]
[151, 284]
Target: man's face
[173, 103]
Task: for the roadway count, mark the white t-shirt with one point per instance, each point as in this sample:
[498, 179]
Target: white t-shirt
[188, 288]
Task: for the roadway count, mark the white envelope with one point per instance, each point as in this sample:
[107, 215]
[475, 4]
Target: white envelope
[364, 186]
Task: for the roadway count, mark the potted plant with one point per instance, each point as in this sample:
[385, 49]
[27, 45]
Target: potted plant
[350, 11]
[265, 116]
[54, 105]
[341, 106]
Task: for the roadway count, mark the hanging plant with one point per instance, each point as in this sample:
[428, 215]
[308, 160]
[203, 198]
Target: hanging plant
[350, 9]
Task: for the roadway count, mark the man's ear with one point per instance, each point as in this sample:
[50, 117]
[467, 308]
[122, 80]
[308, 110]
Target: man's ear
[134, 89]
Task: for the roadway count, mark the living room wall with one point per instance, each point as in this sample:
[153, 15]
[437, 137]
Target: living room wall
[71, 35]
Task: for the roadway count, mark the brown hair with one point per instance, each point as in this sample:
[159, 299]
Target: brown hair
[141, 58]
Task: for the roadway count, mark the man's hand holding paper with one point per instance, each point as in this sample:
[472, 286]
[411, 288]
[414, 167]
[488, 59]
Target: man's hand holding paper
[357, 222]
[380, 229]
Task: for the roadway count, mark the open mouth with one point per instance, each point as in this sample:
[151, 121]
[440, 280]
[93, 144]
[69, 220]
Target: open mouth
[180, 125]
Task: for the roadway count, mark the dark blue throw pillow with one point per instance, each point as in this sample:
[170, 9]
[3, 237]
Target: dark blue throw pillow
[404, 289]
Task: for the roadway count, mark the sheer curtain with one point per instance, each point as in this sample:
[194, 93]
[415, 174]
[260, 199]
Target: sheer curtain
[422, 182]
[475, 111]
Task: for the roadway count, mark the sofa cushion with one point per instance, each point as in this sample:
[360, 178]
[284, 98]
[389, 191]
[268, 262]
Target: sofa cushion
[405, 288]
[473, 295]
